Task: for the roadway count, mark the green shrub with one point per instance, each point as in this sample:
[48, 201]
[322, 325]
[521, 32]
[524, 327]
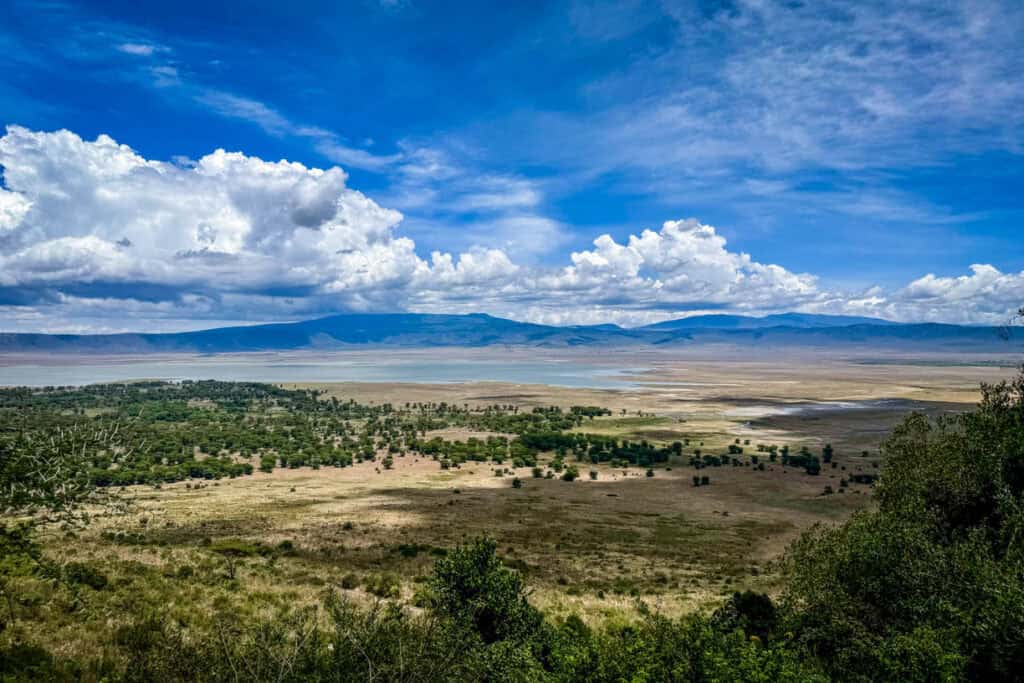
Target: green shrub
[383, 585]
[78, 573]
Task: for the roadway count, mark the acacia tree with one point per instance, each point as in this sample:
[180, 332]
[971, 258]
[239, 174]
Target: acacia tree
[45, 479]
[1006, 330]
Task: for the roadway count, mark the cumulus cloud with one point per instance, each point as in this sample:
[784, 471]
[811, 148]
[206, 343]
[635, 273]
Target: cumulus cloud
[13, 207]
[681, 268]
[86, 224]
[684, 262]
[476, 267]
[85, 212]
[92, 230]
[985, 295]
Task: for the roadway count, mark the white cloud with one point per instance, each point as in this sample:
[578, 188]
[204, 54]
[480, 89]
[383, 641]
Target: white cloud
[525, 237]
[273, 122]
[339, 153]
[495, 193]
[247, 109]
[93, 230]
[78, 212]
[685, 266]
[741, 99]
[683, 263]
[13, 208]
[482, 266]
[442, 186]
[453, 202]
[165, 76]
[141, 49]
[986, 295]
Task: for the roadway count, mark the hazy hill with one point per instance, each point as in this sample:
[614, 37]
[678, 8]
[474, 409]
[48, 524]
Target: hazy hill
[338, 331]
[426, 330]
[745, 322]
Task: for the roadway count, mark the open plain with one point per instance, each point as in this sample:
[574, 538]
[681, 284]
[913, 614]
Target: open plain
[596, 546]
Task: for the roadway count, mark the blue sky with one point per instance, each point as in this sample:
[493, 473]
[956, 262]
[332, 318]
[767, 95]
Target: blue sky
[847, 157]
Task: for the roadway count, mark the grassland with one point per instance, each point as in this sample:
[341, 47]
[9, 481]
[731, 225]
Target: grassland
[594, 547]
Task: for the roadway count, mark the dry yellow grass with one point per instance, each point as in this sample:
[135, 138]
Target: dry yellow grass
[592, 547]
[585, 545]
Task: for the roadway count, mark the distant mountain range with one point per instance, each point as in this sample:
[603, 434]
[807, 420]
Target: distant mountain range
[746, 322]
[410, 330]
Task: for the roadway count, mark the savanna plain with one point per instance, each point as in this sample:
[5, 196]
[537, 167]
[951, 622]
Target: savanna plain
[669, 494]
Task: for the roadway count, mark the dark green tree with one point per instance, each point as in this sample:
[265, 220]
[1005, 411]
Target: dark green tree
[929, 585]
[472, 584]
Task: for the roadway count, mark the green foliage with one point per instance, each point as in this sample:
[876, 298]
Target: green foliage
[156, 433]
[753, 613]
[476, 624]
[85, 575]
[20, 556]
[25, 663]
[812, 465]
[44, 479]
[660, 649]
[384, 586]
[589, 411]
[471, 585]
[930, 585]
[236, 547]
[46, 472]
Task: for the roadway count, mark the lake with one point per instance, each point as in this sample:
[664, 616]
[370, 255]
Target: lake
[56, 370]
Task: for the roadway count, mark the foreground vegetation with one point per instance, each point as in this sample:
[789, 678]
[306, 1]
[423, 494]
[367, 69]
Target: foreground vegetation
[927, 584]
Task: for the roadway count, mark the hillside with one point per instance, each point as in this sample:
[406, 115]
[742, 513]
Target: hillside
[412, 330]
[746, 322]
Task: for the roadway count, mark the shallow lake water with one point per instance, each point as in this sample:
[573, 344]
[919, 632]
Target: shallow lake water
[56, 371]
[807, 407]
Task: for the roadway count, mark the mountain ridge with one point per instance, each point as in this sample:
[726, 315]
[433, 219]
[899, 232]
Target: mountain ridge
[425, 330]
[730, 321]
